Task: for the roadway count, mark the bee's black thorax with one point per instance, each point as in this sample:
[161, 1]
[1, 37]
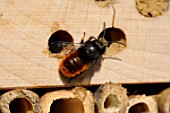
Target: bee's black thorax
[91, 50]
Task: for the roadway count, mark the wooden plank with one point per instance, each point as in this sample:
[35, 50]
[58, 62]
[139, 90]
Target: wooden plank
[25, 27]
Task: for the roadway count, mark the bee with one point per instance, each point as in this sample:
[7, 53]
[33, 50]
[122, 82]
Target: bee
[80, 60]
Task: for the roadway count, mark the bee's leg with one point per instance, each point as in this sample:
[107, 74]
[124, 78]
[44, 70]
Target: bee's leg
[91, 38]
[82, 40]
[121, 43]
[110, 57]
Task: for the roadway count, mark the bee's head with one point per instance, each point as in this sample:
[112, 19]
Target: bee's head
[92, 49]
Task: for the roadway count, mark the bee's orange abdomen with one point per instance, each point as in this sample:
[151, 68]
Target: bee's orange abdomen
[72, 65]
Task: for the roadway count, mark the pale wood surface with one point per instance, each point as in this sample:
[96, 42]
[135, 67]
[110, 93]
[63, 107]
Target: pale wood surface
[25, 27]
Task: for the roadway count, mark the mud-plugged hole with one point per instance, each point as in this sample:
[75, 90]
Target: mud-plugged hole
[111, 103]
[139, 108]
[103, 3]
[152, 8]
[58, 40]
[20, 105]
[70, 105]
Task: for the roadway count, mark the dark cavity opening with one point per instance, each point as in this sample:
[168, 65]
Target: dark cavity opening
[115, 39]
[71, 105]
[58, 40]
[20, 105]
[139, 108]
[113, 35]
[111, 102]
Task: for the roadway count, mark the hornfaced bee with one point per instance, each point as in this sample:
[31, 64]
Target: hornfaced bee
[79, 59]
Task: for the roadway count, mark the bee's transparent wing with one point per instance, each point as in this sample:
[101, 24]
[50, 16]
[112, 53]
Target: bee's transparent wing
[61, 48]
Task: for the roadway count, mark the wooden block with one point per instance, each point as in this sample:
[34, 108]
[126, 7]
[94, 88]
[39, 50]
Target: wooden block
[25, 27]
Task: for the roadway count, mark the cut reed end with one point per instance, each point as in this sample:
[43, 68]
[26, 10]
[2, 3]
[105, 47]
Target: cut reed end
[77, 100]
[19, 101]
[110, 98]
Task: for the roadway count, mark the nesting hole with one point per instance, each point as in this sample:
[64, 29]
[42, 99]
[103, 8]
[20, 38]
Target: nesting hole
[139, 108]
[20, 105]
[112, 35]
[71, 105]
[111, 103]
[115, 38]
[58, 40]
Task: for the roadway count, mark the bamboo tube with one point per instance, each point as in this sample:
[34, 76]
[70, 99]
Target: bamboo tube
[77, 100]
[142, 104]
[163, 100]
[110, 98]
[19, 101]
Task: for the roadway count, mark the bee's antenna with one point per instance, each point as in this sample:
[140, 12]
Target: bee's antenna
[104, 29]
[102, 39]
[104, 25]
[82, 40]
[114, 14]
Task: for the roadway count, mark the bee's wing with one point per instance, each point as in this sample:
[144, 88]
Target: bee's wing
[85, 78]
[61, 48]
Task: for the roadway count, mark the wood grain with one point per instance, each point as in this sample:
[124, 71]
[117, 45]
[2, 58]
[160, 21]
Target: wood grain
[25, 27]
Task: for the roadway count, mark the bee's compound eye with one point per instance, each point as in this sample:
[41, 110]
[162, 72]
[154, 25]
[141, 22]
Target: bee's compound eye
[57, 40]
